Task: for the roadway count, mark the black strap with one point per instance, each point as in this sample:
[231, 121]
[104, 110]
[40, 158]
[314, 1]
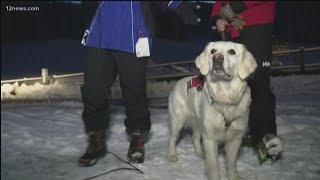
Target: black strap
[134, 168]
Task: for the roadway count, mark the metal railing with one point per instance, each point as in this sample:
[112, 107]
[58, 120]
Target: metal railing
[302, 67]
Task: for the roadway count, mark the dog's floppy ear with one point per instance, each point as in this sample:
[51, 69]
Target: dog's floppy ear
[203, 61]
[248, 64]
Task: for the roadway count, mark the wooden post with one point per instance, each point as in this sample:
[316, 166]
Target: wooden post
[44, 76]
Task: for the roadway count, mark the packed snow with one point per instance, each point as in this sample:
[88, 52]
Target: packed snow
[38, 91]
[59, 90]
[44, 140]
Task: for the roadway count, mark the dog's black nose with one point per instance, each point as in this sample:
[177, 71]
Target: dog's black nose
[218, 58]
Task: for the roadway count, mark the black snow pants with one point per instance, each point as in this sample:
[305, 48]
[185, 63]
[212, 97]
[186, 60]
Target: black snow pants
[101, 69]
[262, 120]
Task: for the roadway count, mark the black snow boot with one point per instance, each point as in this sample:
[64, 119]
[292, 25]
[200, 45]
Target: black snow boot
[268, 149]
[95, 150]
[136, 149]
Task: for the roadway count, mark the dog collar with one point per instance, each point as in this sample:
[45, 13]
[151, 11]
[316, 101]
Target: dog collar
[211, 99]
[199, 83]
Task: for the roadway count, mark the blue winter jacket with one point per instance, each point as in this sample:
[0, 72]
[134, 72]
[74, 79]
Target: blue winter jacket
[117, 25]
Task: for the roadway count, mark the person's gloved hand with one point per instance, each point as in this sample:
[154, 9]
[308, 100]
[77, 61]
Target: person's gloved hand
[227, 13]
[187, 13]
[238, 22]
[236, 19]
[221, 24]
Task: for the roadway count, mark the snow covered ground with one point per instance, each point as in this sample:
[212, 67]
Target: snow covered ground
[43, 141]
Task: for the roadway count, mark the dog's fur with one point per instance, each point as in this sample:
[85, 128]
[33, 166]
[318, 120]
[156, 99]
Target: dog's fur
[218, 113]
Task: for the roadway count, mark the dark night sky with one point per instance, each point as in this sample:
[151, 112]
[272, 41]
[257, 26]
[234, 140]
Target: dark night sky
[296, 21]
[30, 40]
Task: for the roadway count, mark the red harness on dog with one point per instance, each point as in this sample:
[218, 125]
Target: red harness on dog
[197, 82]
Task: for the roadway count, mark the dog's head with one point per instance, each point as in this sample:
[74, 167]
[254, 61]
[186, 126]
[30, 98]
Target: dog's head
[225, 61]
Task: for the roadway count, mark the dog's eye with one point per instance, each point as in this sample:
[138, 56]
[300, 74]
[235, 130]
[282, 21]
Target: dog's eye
[232, 52]
[213, 51]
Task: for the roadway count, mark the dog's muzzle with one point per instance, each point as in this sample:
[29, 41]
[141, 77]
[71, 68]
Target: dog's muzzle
[217, 61]
[217, 66]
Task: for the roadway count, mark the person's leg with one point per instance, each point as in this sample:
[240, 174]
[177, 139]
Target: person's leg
[100, 72]
[262, 120]
[132, 72]
[258, 41]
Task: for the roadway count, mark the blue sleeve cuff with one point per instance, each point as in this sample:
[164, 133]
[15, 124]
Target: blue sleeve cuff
[174, 5]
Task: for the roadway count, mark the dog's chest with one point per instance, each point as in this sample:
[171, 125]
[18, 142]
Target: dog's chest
[229, 112]
[231, 104]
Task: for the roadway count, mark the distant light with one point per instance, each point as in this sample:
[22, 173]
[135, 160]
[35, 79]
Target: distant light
[210, 2]
[73, 2]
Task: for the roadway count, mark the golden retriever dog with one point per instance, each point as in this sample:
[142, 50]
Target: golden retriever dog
[217, 112]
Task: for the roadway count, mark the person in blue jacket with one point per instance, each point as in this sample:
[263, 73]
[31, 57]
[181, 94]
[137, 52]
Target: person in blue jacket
[112, 49]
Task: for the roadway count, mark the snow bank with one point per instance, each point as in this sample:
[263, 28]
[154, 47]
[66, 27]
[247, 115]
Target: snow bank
[61, 91]
[39, 91]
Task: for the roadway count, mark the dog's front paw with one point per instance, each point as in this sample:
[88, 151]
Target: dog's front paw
[172, 158]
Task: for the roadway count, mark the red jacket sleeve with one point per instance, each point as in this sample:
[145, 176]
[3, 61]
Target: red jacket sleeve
[215, 9]
[257, 12]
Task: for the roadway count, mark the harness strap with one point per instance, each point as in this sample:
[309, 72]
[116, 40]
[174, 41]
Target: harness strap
[211, 102]
[197, 82]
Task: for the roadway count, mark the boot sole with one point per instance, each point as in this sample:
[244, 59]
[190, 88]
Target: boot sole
[137, 161]
[93, 161]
